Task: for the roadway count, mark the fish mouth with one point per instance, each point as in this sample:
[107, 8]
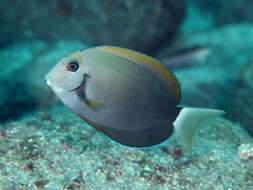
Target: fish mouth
[48, 82]
[55, 89]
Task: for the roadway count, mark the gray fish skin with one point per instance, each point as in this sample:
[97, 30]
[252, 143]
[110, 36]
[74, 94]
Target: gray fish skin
[126, 91]
[130, 97]
[141, 133]
[132, 102]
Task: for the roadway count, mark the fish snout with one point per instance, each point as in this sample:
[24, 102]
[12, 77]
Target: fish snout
[50, 82]
[47, 80]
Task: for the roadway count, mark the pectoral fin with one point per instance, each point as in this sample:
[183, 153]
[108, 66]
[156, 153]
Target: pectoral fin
[92, 104]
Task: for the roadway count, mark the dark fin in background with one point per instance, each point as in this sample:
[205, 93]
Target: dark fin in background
[187, 57]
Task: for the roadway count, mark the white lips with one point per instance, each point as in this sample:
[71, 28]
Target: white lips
[48, 82]
[47, 79]
[53, 87]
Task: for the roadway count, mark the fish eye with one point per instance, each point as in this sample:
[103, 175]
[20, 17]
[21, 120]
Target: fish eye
[73, 66]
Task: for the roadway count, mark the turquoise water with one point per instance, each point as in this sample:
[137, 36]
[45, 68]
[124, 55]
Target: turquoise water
[43, 145]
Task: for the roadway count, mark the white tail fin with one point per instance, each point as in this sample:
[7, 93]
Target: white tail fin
[190, 120]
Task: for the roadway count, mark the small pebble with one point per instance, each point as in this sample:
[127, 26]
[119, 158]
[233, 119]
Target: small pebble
[245, 151]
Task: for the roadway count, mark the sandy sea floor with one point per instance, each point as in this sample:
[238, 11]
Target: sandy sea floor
[56, 150]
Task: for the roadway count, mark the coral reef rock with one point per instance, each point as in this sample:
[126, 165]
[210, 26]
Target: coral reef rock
[226, 11]
[245, 151]
[132, 24]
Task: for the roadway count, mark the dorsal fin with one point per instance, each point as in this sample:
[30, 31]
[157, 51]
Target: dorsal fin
[151, 64]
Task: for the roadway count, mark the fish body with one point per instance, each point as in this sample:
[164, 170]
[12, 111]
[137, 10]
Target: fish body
[130, 97]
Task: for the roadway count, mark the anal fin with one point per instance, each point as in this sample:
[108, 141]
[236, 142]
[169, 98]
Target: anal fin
[141, 137]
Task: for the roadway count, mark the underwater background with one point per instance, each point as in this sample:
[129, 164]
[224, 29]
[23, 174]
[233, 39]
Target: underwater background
[43, 145]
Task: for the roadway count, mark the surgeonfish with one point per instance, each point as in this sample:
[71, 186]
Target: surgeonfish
[130, 97]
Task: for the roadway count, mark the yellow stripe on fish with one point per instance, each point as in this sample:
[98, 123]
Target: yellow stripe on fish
[154, 65]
